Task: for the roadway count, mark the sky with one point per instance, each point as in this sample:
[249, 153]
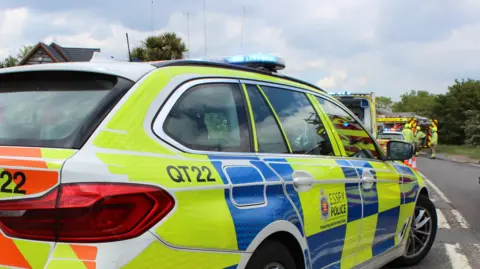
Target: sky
[382, 46]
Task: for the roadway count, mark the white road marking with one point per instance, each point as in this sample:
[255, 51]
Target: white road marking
[457, 259]
[436, 189]
[460, 219]
[442, 221]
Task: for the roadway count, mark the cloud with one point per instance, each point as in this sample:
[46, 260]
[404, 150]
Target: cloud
[12, 23]
[383, 46]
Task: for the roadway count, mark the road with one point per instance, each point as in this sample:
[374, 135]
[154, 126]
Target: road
[455, 189]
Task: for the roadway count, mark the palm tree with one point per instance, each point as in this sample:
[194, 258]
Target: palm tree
[167, 46]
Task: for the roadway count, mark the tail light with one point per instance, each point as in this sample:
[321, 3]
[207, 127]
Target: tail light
[89, 212]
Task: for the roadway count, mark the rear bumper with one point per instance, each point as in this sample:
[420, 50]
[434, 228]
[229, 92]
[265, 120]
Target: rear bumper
[146, 251]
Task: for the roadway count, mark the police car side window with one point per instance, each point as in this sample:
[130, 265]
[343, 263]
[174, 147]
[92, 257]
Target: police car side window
[269, 136]
[356, 141]
[304, 129]
[210, 117]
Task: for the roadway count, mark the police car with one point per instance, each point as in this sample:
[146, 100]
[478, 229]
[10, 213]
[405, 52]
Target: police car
[197, 164]
[388, 135]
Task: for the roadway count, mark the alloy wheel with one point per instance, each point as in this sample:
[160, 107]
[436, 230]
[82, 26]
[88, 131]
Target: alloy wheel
[420, 232]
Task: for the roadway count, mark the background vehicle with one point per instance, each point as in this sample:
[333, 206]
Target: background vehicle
[396, 121]
[384, 137]
[197, 164]
[362, 105]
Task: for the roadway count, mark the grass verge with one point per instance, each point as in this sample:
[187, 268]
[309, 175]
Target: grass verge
[470, 152]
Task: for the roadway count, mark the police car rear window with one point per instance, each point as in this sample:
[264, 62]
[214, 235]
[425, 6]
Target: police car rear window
[48, 108]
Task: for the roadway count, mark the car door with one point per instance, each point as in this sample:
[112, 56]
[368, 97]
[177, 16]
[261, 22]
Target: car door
[324, 191]
[383, 222]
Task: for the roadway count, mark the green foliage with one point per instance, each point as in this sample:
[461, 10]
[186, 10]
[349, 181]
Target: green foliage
[24, 51]
[9, 62]
[472, 128]
[457, 110]
[420, 102]
[167, 46]
[464, 150]
[384, 103]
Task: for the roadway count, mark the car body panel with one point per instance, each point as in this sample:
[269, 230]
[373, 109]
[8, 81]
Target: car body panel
[226, 204]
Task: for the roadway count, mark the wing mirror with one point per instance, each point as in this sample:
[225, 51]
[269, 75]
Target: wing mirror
[399, 150]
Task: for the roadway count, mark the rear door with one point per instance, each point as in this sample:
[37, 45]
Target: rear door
[44, 118]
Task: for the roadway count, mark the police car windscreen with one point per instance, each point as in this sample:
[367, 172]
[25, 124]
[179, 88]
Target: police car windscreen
[48, 108]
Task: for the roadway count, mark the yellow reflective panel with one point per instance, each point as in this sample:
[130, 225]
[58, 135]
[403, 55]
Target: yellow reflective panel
[36, 253]
[63, 251]
[322, 170]
[202, 220]
[406, 211]
[388, 189]
[364, 251]
[56, 157]
[350, 246]
[127, 124]
[157, 254]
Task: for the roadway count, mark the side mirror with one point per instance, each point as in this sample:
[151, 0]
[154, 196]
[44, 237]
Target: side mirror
[399, 150]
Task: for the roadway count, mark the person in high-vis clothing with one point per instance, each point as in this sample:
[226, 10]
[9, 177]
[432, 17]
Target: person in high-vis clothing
[433, 143]
[419, 136]
[407, 133]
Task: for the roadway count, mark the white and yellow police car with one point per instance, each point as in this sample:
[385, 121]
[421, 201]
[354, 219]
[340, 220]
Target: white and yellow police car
[197, 164]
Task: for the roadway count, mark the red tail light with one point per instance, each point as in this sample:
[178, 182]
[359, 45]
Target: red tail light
[89, 212]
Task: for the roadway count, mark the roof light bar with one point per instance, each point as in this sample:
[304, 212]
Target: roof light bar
[260, 61]
[340, 93]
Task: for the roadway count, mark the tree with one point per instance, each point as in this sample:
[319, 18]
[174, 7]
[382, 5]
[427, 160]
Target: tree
[167, 46]
[24, 51]
[472, 128]
[420, 102]
[9, 62]
[454, 111]
[384, 103]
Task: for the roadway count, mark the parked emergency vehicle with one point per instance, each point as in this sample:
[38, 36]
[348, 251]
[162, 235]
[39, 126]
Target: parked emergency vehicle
[198, 164]
[362, 105]
[396, 123]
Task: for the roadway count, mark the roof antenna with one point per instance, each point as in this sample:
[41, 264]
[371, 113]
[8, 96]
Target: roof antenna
[128, 46]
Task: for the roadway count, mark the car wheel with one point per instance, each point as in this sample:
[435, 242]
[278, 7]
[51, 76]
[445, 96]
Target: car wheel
[271, 255]
[422, 233]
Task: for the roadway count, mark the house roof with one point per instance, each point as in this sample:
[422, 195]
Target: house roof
[63, 54]
[80, 54]
[55, 53]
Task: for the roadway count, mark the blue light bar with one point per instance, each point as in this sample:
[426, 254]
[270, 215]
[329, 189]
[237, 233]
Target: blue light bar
[340, 93]
[260, 61]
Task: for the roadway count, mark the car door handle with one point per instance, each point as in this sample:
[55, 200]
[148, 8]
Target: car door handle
[303, 181]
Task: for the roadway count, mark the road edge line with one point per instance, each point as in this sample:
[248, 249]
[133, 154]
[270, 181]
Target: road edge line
[456, 257]
[460, 219]
[442, 222]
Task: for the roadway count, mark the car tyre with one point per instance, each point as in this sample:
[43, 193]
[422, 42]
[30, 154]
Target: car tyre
[418, 233]
[271, 255]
